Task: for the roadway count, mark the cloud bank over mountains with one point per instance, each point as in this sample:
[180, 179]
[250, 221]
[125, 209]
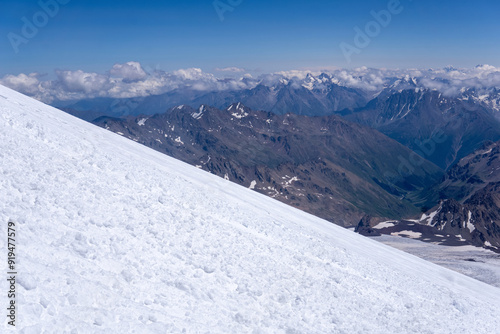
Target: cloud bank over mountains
[131, 79]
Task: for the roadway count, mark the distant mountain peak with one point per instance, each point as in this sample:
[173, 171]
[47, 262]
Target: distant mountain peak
[180, 107]
[406, 82]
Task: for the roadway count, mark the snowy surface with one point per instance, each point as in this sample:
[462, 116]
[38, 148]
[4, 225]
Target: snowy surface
[410, 234]
[117, 238]
[476, 262]
[384, 225]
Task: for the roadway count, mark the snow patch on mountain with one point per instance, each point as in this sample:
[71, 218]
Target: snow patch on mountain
[427, 219]
[384, 225]
[239, 111]
[199, 114]
[470, 226]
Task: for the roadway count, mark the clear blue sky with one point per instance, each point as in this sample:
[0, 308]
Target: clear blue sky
[257, 35]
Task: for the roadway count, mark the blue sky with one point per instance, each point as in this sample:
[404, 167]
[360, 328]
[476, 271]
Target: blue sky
[260, 36]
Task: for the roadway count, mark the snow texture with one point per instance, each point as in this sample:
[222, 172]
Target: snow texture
[118, 238]
[476, 262]
[384, 225]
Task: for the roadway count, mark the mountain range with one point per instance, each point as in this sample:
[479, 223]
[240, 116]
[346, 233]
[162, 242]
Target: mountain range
[327, 166]
[439, 127]
[305, 94]
[332, 167]
[325, 147]
[313, 96]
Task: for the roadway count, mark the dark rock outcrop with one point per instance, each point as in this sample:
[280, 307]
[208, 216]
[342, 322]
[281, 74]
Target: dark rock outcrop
[364, 227]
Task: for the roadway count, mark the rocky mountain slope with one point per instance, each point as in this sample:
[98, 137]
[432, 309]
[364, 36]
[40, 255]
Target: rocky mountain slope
[477, 219]
[470, 194]
[471, 173]
[469, 209]
[327, 166]
[438, 128]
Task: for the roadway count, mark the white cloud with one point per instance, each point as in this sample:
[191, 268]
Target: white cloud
[297, 74]
[26, 84]
[131, 71]
[192, 74]
[83, 82]
[131, 80]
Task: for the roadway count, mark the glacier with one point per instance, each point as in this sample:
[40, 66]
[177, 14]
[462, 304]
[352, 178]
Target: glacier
[115, 237]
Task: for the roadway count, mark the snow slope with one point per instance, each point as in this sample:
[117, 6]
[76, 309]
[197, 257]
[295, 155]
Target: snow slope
[117, 238]
[476, 262]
